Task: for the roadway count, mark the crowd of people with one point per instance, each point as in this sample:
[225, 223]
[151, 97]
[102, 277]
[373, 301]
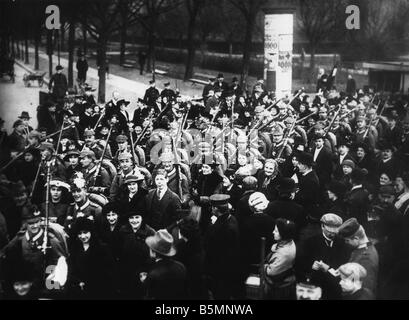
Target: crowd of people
[183, 198]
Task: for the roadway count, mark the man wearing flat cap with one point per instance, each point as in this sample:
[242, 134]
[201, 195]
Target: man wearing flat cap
[99, 183]
[322, 254]
[222, 250]
[363, 251]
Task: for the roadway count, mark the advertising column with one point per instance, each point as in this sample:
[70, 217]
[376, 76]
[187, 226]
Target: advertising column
[278, 50]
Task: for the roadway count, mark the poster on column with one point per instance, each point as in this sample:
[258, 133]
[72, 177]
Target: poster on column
[278, 50]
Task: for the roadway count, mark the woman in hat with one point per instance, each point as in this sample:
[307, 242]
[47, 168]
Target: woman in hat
[60, 200]
[134, 256]
[279, 273]
[90, 264]
[132, 196]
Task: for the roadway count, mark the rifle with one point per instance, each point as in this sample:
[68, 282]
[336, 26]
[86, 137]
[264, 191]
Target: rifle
[132, 144]
[332, 121]
[47, 209]
[96, 174]
[372, 120]
[142, 135]
[287, 136]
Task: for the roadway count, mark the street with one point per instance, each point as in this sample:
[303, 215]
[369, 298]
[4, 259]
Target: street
[15, 98]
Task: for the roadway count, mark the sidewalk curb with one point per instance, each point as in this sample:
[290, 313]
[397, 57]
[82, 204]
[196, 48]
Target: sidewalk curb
[28, 69]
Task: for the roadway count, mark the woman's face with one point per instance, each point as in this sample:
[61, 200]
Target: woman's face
[112, 218]
[269, 169]
[384, 180]
[56, 193]
[294, 161]
[135, 221]
[302, 108]
[206, 170]
[276, 234]
[360, 153]
[84, 236]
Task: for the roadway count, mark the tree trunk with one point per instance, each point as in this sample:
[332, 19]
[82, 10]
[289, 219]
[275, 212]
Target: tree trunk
[191, 49]
[102, 54]
[84, 40]
[26, 60]
[312, 65]
[247, 49]
[50, 52]
[63, 36]
[230, 49]
[18, 49]
[36, 46]
[71, 43]
[122, 44]
[151, 52]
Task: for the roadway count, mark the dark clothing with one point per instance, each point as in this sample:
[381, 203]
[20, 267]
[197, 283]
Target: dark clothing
[318, 248]
[151, 95]
[357, 203]
[222, 256]
[166, 281]
[59, 84]
[267, 185]
[351, 87]
[94, 268]
[307, 196]
[82, 68]
[134, 258]
[323, 166]
[162, 213]
[361, 294]
[287, 209]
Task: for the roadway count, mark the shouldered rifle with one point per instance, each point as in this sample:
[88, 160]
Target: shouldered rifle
[328, 129]
[285, 140]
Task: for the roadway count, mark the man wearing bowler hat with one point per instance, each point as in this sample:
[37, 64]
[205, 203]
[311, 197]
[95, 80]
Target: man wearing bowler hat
[58, 84]
[322, 254]
[222, 250]
[220, 83]
[167, 279]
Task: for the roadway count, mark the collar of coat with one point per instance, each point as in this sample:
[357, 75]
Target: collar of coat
[86, 204]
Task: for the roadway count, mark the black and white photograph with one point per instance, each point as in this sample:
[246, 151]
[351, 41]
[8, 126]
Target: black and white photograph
[222, 151]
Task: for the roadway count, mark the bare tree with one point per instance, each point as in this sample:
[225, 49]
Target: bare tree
[320, 19]
[249, 10]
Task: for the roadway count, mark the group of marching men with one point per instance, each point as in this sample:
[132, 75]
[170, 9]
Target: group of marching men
[174, 202]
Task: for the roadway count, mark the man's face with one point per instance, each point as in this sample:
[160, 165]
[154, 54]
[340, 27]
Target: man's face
[32, 141]
[269, 169]
[399, 185]
[28, 157]
[323, 114]
[79, 195]
[135, 221]
[386, 199]
[161, 181]
[52, 109]
[86, 161]
[360, 124]
[347, 170]
[168, 165]
[386, 154]
[112, 218]
[20, 199]
[319, 143]
[331, 196]
[123, 145]
[126, 164]
[308, 293]
[360, 152]
[329, 232]
[104, 131]
[33, 227]
[22, 288]
[343, 150]
[242, 159]
[133, 187]
[84, 236]
[56, 193]
[353, 242]
[277, 137]
[73, 160]
[89, 139]
[138, 130]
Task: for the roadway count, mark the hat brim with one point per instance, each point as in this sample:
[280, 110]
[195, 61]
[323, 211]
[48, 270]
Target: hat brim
[151, 244]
